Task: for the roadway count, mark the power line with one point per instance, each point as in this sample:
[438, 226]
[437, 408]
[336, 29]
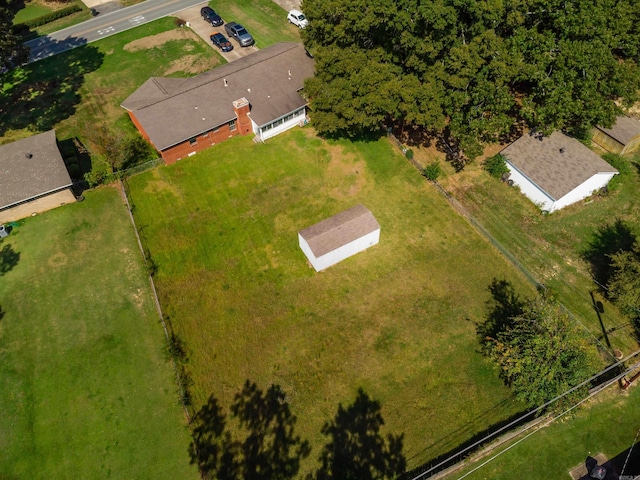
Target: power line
[615, 379]
[629, 454]
[522, 417]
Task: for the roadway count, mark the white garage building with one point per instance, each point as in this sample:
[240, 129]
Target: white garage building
[556, 170]
[341, 236]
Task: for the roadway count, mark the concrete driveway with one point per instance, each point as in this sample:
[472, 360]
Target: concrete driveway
[204, 30]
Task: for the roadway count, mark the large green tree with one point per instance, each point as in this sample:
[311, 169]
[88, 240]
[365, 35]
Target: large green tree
[541, 352]
[471, 70]
[624, 285]
[12, 51]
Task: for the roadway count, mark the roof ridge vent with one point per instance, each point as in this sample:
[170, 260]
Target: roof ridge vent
[29, 155]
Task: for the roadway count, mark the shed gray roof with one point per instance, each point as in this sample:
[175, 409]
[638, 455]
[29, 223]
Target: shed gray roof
[172, 110]
[556, 163]
[31, 167]
[339, 230]
[624, 130]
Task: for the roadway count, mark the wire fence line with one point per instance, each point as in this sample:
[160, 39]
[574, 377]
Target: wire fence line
[459, 456]
[163, 321]
[480, 228]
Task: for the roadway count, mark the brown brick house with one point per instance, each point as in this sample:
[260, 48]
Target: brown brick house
[259, 94]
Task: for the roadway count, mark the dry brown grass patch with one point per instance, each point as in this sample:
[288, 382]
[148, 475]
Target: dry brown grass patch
[160, 39]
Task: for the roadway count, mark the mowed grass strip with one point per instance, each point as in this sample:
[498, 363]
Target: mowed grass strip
[552, 246]
[85, 390]
[222, 228]
[608, 424]
[264, 19]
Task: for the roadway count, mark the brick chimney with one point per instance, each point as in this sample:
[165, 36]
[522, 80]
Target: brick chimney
[242, 109]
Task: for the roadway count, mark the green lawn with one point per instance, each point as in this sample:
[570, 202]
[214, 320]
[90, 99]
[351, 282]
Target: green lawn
[30, 11]
[608, 425]
[222, 228]
[552, 246]
[78, 89]
[264, 19]
[85, 390]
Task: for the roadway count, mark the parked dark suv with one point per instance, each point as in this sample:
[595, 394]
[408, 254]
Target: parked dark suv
[209, 15]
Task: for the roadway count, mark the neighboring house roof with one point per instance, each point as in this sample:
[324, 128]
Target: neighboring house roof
[172, 110]
[31, 167]
[339, 230]
[557, 164]
[624, 130]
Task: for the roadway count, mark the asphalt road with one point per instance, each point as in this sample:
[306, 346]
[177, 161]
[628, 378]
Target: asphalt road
[104, 25]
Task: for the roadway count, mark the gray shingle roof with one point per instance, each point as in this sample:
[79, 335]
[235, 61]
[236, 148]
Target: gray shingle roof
[31, 167]
[624, 130]
[339, 230]
[174, 110]
[554, 171]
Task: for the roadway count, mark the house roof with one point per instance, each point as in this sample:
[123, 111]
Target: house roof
[172, 110]
[556, 163]
[624, 130]
[31, 167]
[339, 230]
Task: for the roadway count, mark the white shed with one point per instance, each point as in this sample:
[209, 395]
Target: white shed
[556, 170]
[341, 236]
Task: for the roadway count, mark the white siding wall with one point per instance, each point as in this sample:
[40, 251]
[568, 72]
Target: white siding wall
[339, 254]
[596, 182]
[265, 133]
[530, 189]
[545, 202]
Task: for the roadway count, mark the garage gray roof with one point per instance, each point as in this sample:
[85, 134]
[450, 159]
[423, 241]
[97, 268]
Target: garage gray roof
[339, 230]
[556, 163]
[173, 110]
[31, 167]
[624, 130]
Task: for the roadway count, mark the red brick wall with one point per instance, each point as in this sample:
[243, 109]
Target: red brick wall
[138, 126]
[182, 150]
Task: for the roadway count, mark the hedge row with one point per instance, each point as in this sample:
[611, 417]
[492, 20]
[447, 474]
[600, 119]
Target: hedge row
[19, 28]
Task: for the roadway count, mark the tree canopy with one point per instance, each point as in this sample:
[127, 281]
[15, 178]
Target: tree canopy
[540, 350]
[12, 51]
[473, 71]
[624, 285]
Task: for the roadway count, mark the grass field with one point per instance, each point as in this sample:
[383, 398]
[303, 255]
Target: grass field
[397, 319]
[264, 19]
[85, 390]
[608, 425]
[552, 246]
[76, 90]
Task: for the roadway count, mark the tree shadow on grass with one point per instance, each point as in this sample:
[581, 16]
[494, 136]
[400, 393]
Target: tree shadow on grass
[504, 305]
[263, 444]
[356, 449]
[9, 258]
[607, 240]
[41, 94]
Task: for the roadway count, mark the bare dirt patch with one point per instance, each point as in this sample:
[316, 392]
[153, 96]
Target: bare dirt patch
[190, 64]
[160, 39]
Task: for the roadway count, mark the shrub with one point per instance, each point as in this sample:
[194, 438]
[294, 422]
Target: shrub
[496, 166]
[98, 177]
[433, 171]
[409, 154]
[48, 18]
[619, 163]
[74, 171]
